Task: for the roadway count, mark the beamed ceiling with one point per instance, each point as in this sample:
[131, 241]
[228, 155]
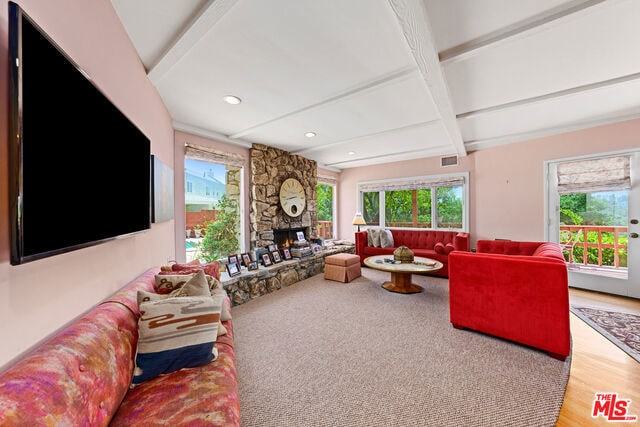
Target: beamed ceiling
[387, 80]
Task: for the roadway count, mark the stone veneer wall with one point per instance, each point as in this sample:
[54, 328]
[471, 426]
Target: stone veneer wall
[269, 168]
[253, 284]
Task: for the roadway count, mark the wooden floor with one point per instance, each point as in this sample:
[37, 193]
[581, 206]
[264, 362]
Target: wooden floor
[597, 365]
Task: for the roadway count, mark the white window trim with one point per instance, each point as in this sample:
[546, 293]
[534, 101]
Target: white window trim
[434, 179]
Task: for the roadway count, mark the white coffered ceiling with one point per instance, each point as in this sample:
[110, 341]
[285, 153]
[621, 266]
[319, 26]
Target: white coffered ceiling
[388, 80]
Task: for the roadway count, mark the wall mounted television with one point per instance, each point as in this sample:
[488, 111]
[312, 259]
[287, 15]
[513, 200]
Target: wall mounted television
[80, 170]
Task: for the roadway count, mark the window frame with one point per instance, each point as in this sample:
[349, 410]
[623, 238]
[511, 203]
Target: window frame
[436, 181]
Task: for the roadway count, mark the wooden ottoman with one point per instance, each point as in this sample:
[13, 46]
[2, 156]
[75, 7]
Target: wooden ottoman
[342, 267]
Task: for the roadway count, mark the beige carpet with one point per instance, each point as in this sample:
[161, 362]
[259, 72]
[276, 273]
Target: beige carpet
[322, 353]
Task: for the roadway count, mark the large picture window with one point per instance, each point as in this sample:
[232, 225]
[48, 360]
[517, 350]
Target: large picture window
[434, 202]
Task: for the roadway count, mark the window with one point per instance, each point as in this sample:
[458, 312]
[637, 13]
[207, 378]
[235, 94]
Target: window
[212, 196]
[325, 211]
[416, 202]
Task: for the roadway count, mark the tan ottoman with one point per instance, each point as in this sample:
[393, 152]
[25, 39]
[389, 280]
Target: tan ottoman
[342, 267]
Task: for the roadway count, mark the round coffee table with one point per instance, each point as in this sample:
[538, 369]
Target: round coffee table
[401, 272]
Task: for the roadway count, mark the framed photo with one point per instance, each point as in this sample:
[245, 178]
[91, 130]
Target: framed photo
[233, 268]
[286, 254]
[266, 259]
[246, 259]
[276, 256]
[300, 235]
[233, 259]
[273, 248]
[316, 248]
[253, 265]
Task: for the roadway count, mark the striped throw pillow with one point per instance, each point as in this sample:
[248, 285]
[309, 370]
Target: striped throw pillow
[176, 333]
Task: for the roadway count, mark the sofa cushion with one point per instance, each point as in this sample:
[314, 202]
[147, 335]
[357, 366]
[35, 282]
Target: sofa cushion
[439, 248]
[175, 333]
[549, 250]
[215, 399]
[448, 248]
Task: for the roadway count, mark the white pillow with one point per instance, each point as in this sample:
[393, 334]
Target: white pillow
[386, 239]
[374, 235]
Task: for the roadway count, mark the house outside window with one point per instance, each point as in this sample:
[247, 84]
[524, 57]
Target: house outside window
[431, 202]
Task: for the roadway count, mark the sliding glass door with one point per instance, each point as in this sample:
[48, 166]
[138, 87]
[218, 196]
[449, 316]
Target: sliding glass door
[593, 212]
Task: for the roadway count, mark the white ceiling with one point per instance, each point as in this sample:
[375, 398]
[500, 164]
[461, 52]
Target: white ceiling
[388, 80]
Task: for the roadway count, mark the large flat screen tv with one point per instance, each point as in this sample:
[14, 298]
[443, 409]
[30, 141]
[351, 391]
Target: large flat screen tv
[80, 170]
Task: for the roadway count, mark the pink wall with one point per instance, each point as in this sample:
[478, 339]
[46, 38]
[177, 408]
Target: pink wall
[506, 182]
[41, 296]
[181, 138]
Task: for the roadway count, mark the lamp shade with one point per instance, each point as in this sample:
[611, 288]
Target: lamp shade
[358, 219]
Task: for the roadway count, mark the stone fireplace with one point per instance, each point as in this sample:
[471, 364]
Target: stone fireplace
[285, 237]
[268, 222]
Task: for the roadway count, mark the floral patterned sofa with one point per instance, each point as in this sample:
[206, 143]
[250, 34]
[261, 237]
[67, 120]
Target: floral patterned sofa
[82, 376]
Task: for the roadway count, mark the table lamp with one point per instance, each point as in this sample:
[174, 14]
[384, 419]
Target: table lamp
[358, 220]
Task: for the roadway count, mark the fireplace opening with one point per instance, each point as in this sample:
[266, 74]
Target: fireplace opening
[285, 237]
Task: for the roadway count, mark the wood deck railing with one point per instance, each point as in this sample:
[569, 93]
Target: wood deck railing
[325, 230]
[592, 238]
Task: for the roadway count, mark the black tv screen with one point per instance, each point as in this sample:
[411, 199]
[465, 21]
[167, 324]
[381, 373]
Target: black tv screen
[80, 170]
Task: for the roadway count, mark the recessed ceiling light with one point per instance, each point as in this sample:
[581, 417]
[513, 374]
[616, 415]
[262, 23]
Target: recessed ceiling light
[310, 134]
[230, 99]
[351, 153]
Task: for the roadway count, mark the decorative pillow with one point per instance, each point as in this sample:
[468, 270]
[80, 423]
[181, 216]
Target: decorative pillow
[439, 248]
[211, 268]
[448, 248]
[166, 283]
[175, 333]
[226, 307]
[373, 237]
[386, 239]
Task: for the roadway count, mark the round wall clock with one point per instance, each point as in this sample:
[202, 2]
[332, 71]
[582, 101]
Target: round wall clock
[292, 197]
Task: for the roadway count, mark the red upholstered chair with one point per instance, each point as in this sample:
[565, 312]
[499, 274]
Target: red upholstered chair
[513, 290]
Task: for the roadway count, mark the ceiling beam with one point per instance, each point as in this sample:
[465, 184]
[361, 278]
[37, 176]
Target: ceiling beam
[517, 30]
[358, 90]
[206, 18]
[386, 158]
[552, 95]
[482, 144]
[346, 141]
[414, 23]
[205, 133]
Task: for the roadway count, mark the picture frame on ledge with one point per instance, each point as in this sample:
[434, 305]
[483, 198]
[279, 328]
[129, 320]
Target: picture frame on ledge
[246, 259]
[266, 259]
[253, 265]
[286, 253]
[276, 256]
[233, 268]
[316, 248]
[233, 259]
[300, 236]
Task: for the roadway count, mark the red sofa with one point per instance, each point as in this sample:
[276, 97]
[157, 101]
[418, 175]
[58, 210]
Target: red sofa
[513, 290]
[421, 242]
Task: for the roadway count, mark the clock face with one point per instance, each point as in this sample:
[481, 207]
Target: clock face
[292, 197]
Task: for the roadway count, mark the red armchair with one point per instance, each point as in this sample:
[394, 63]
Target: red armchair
[513, 290]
